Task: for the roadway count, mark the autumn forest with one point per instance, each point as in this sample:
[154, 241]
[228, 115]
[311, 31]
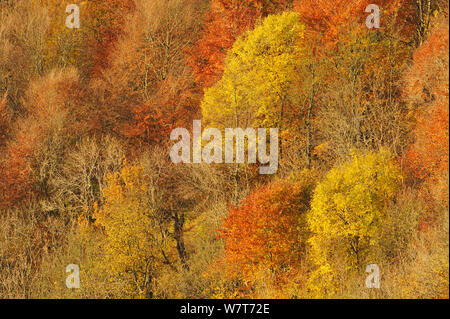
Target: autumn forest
[86, 179]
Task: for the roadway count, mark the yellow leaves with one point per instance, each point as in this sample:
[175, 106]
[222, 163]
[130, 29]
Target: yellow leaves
[347, 209]
[259, 70]
[321, 282]
[132, 240]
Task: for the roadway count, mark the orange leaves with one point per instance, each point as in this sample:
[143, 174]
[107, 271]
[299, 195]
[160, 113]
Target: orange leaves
[16, 181]
[54, 113]
[427, 80]
[427, 85]
[429, 154]
[223, 25]
[227, 20]
[327, 17]
[148, 89]
[106, 20]
[172, 106]
[267, 230]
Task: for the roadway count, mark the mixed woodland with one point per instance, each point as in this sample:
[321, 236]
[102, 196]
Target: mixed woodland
[86, 178]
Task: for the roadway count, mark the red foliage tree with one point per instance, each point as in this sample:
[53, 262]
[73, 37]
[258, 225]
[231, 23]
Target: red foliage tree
[148, 89]
[267, 230]
[173, 105]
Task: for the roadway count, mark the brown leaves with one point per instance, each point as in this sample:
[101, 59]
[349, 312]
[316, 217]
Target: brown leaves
[4, 121]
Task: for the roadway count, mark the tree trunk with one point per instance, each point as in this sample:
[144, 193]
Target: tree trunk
[179, 237]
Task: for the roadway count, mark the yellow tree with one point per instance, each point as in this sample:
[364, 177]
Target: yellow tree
[347, 214]
[259, 72]
[134, 236]
[63, 45]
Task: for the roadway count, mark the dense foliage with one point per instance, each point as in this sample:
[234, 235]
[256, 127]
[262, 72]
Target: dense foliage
[86, 178]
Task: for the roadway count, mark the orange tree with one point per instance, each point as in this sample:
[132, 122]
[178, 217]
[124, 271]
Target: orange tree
[267, 231]
[426, 92]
